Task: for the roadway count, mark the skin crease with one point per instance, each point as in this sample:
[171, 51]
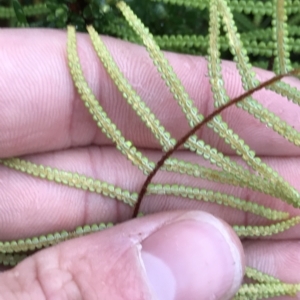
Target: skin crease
[42, 117]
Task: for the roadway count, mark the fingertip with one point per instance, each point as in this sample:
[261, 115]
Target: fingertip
[195, 257]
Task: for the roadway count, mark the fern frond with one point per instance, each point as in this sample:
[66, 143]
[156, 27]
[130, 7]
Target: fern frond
[132, 98]
[285, 90]
[199, 43]
[130, 94]
[244, 6]
[92, 185]
[261, 277]
[252, 106]
[188, 3]
[221, 97]
[215, 197]
[280, 36]
[180, 94]
[29, 10]
[256, 42]
[120, 28]
[11, 259]
[43, 241]
[260, 231]
[255, 182]
[249, 81]
[247, 7]
[99, 115]
[167, 74]
[184, 101]
[255, 291]
[75, 180]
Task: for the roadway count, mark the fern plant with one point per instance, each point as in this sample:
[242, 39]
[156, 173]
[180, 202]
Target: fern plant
[262, 178]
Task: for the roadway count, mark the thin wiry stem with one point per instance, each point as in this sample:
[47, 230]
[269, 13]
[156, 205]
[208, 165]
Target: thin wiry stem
[197, 127]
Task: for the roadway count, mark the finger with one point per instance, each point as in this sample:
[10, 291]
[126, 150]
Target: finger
[157, 257]
[276, 258]
[40, 109]
[31, 206]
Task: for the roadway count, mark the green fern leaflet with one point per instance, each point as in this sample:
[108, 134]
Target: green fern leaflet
[253, 174]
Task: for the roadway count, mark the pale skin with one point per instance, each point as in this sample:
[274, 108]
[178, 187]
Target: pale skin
[43, 119]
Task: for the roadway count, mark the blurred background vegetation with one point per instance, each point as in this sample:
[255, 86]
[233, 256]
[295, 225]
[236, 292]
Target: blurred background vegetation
[175, 27]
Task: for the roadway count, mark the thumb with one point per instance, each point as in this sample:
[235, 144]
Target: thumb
[193, 256]
[175, 255]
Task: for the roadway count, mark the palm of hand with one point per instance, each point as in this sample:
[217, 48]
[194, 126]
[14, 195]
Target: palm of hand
[73, 128]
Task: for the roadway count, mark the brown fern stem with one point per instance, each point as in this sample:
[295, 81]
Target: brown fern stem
[182, 140]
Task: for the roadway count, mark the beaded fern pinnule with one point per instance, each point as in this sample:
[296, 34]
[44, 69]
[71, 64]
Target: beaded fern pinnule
[263, 178]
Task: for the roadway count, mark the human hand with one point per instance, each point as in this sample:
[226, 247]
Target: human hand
[42, 117]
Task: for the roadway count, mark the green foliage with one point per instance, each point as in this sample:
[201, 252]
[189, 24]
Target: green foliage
[253, 20]
[20, 15]
[217, 28]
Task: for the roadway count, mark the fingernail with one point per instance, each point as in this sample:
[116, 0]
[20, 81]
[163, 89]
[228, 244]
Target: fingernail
[194, 257]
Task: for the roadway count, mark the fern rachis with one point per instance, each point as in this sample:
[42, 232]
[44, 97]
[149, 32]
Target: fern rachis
[269, 181]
